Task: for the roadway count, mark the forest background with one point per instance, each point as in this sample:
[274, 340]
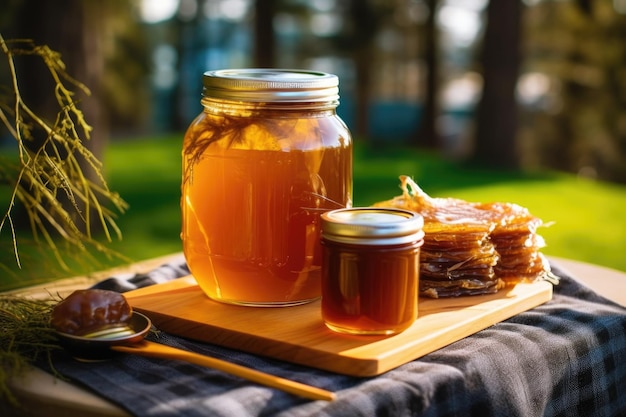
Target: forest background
[475, 87]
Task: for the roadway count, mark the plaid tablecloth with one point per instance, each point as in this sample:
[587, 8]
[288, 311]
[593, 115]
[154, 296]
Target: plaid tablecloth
[564, 358]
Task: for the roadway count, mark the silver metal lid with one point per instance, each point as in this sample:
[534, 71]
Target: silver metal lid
[372, 226]
[271, 85]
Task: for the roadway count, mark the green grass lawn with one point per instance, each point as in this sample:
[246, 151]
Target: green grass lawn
[586, 216]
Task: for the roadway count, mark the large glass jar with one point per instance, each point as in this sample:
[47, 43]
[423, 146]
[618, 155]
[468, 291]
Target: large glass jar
[266, 157]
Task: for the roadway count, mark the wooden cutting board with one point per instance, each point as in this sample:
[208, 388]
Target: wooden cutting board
[297, 334]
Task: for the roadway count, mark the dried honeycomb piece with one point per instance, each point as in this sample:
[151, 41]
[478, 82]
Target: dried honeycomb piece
[473, 248]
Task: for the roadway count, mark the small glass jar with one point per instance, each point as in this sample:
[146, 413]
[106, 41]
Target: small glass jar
[370, 269]
[264, 159]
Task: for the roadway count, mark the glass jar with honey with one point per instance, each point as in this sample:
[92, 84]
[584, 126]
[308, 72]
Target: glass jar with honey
[370, 270]
[265, 158]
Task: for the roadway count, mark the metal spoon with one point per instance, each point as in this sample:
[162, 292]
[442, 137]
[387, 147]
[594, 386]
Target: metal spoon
[101, 344]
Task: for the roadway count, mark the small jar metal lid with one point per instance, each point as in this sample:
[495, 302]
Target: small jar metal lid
[372, 226]
[271, 85]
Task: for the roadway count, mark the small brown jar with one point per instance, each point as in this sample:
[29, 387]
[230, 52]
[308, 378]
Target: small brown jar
[370, 269]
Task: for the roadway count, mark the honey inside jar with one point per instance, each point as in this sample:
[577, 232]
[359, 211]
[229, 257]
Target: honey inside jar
[255, 181]
[370, 272]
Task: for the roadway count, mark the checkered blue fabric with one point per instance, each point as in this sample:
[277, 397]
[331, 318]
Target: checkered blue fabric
[564, 358]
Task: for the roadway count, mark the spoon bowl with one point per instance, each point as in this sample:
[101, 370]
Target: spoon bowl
[96, 346]
[129, 338]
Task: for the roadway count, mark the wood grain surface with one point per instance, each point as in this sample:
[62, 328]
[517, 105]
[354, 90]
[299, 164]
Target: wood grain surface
[298, 334]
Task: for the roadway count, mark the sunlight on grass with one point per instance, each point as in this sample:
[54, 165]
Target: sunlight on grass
[147, 174]
[588, 223]
[587, 217]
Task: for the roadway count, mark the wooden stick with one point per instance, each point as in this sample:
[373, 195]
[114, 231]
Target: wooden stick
[157, 350]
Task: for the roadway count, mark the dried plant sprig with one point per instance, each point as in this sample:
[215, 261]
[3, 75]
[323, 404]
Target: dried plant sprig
[25, 337]
[49, 180]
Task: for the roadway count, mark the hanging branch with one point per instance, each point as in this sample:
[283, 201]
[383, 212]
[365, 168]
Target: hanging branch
[48, 174]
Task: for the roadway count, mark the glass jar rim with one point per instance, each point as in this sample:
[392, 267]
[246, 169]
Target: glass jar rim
[369, 225]
[271, 85]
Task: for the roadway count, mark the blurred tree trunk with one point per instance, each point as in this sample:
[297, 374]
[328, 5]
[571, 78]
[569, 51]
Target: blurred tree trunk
[427, 133]
[264, 45]
[74, 28]
[364, 22]
[497, 118]
[583, 131]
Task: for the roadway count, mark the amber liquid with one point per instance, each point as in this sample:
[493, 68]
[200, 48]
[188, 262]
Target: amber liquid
[369, 289]
[251, 227]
